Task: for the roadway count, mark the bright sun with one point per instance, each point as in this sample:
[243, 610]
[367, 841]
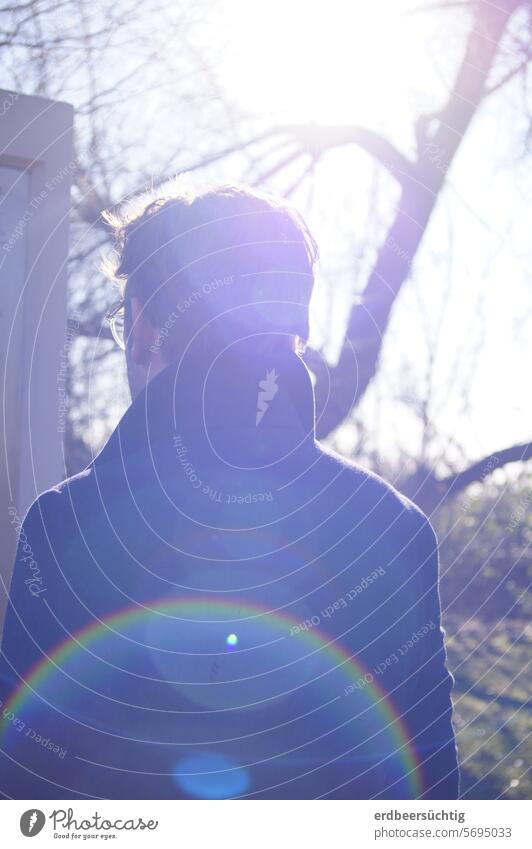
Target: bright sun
[323, 62]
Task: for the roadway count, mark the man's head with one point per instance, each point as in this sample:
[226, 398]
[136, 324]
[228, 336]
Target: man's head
[199, 269]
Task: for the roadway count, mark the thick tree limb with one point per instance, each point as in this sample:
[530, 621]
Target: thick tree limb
[429, 491]
[481, 469]
[439, 139]
[318, 139]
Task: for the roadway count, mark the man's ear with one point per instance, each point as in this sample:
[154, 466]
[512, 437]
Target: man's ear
[142, 334]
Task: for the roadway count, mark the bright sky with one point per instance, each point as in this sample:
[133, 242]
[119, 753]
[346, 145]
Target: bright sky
[327, 62]
[372, 64]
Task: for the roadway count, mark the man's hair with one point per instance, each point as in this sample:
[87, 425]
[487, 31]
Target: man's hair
[225, 258]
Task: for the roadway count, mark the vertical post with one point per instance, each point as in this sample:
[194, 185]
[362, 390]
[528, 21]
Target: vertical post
[36, 168]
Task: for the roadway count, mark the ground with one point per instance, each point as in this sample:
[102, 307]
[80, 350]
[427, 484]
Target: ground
[493, 714]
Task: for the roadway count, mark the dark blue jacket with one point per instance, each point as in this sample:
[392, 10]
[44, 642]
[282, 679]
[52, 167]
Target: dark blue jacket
[218, 607]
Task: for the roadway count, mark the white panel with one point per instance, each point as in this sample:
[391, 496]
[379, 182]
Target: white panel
[36, 169]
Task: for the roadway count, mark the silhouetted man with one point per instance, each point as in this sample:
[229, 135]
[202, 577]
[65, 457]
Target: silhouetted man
[217, 606]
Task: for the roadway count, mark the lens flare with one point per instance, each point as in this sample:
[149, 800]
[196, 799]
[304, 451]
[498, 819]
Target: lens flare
[231, 642]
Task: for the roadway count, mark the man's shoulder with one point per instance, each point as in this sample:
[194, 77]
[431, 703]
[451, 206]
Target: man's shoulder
[58, 498]
[395, 526]
[371, 486]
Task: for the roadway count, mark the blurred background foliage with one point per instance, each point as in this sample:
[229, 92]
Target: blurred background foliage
[485, 590]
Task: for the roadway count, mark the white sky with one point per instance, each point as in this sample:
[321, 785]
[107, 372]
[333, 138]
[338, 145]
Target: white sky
[370, 64]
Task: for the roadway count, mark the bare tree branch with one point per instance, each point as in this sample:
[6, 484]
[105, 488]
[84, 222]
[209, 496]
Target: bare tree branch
[429, 491]
[439, 140]
[482, 468]
[318, 139]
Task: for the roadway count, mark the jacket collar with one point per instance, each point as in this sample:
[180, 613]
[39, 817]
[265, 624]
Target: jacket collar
[241, 409]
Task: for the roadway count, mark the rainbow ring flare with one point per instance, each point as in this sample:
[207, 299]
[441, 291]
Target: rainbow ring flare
[210, 606]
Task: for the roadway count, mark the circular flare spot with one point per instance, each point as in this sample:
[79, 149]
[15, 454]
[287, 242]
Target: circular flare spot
[231, 642]
[211, 775]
